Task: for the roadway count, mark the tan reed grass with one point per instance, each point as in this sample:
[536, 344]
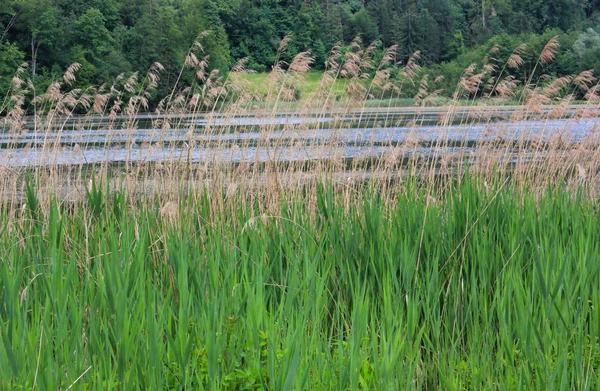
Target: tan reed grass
[166, 168]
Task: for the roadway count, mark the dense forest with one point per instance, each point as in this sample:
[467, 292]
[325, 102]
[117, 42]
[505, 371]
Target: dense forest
[109, 37]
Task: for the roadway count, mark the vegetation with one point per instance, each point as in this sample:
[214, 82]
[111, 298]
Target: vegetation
[258, 83]
[216, 254]
[468, 288]
[110, 37]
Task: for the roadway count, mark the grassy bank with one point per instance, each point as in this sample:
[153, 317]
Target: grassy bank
[258, 83]
[329, 287]
[261, 86]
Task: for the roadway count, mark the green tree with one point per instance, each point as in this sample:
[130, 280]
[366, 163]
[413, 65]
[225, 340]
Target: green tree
[331, 25]
[156, 37]
[93, 35]
[587, 50]
[8, 17]
[41, 21]
[202, 16]
[10, 59]
[254, 34]
[364, 26]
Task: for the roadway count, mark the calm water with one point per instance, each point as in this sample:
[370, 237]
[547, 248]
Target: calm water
[255, 139]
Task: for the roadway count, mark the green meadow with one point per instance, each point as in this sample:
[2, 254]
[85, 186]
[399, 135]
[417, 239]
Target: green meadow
[306, 87]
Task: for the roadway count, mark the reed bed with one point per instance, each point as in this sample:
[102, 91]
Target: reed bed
[469, 288]
[213, 129]
[229, 245]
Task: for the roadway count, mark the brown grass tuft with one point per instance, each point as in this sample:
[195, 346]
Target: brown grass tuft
[549, 52]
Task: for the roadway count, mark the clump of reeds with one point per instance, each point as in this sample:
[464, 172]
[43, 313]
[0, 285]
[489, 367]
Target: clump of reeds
[262, 164]
[475, 286]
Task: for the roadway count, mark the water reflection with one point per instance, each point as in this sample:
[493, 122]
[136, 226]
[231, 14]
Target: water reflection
[242, 141]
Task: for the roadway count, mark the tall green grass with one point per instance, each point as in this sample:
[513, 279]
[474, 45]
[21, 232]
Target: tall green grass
[472, 287]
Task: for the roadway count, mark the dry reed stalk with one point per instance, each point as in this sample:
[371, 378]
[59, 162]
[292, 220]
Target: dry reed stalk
[271, 179]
